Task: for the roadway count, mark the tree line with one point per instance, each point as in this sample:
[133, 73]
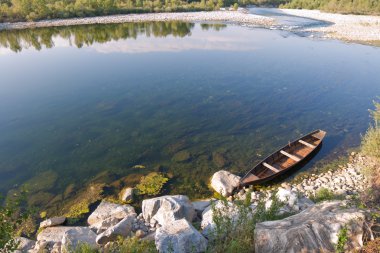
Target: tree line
[31, 10]
[369, 7]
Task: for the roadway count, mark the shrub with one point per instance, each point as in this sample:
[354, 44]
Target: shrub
[11, 217]
[371, 140]
[323, 194]
[342, 240]
[237, 234]
[152, 183]
[132, 245]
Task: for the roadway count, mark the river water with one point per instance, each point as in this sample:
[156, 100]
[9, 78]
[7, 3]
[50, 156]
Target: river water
[85, 102]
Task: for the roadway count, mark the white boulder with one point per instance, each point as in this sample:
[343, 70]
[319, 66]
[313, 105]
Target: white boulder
[55, 221]
[313, 230]
[108, 214]
[72, 238]
[179, 236]
[123, 228]
[224, 182]
[168, 208]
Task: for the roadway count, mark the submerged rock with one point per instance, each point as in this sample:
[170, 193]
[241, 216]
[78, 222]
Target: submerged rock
[224, 182]
[55, 221]
[313, 230]
[181, 237]
[181, 156]
[168, 208]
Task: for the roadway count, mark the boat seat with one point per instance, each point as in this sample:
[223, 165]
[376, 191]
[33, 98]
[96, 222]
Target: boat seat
[271, 167]
[307, 144]
[293, 157]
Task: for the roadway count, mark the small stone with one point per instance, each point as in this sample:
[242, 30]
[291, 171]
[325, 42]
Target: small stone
[140, 234]
[55, 221]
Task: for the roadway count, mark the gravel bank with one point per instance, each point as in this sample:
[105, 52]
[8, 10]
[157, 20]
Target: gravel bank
[346, 181]
[344, 27]
[223, 16]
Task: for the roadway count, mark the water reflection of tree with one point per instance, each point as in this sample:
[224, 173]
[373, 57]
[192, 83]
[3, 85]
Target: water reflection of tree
[216, 27]
[82, 35]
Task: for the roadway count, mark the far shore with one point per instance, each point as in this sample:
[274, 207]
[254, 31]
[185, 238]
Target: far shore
[217, 16]
[353, 28]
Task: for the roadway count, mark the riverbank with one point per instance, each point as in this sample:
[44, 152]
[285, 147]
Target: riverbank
[353, 28]
[214, 16]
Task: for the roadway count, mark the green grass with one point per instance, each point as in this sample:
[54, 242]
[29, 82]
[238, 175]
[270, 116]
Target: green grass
[323, 194]
[342, 240]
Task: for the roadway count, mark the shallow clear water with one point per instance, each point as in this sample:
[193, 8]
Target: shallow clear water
[188, 99]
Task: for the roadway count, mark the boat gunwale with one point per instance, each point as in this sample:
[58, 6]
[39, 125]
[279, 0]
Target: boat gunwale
[284, 170]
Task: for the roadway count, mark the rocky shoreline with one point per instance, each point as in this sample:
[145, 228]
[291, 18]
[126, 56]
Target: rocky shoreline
[168, 221]
[354, 28]
[239, 17]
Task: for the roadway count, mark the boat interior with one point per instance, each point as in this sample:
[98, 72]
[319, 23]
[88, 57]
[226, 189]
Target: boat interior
[286, 157]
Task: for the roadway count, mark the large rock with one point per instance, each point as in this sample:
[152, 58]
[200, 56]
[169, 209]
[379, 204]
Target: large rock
[313, 230]
[55, 221]
[168, 208]
[179, 236]
[224, 182]
[123, 228]
[72, 238]
[108, 214]
[25, 244]
[53, 234]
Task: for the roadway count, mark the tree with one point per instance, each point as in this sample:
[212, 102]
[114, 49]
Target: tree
[152, 183]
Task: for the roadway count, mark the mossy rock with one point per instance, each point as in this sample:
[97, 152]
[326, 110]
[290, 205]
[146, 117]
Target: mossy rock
[39, 199]
[182, 156]
[80, 205]
[219, 160]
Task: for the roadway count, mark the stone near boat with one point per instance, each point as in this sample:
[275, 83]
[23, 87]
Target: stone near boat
[108, 214]
[181, 237]
[292, 201]
[168, 208]
[55, 221]
[313, 230]
[72, 238]
[224, 182]
[25, 244]
[123, 228]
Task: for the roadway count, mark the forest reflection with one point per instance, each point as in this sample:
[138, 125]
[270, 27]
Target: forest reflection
[86, 35]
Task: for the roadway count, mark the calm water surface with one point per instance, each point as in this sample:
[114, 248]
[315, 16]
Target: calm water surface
[183, 98]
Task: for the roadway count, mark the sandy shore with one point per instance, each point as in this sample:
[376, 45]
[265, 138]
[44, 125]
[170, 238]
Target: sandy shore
[344, 27]
[224, 16]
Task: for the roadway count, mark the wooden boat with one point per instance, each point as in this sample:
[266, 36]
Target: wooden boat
[284, 159]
